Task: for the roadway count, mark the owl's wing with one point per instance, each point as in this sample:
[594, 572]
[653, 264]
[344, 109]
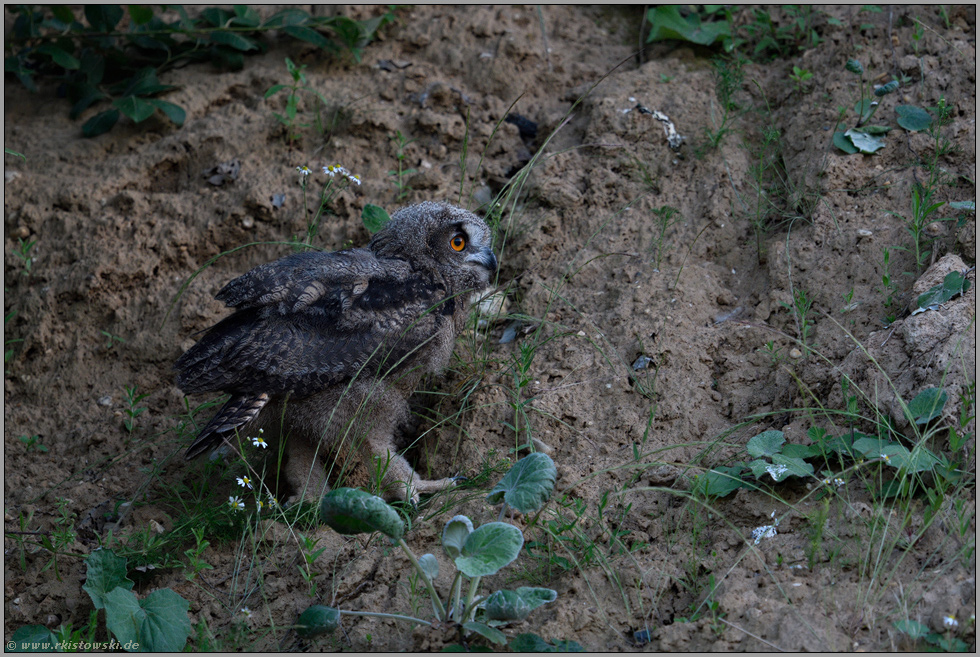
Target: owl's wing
[307, 322]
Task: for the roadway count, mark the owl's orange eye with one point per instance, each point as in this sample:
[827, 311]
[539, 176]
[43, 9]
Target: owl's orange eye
[458, 243]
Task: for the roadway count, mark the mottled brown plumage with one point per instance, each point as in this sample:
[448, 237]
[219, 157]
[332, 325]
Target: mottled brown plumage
[323, 349]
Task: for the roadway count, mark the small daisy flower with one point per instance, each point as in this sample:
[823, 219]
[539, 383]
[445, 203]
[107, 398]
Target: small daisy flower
[259, 504]
[354, 179]
[886, 458]
[247, 612]
[259, 441]
[245, 482]
[950, 622]
[273, 503]
[236, 503]
[304, 170]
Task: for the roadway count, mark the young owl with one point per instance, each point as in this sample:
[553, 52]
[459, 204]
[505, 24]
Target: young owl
[323, 349]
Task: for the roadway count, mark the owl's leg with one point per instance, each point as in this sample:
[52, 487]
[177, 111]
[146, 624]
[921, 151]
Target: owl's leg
[304, 470]
[389, 411]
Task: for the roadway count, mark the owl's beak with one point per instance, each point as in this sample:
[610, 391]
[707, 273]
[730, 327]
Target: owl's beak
[486, 258]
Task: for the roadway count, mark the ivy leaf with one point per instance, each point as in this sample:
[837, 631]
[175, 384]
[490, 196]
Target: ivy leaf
[32, 638]
[928, 404]
[766, 443]
[104, 572]
[157, 623]
[100, 123]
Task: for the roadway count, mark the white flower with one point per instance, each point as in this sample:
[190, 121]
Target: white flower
[259, 441]
[776, 471]
[245, 482]
[273, 503]
[247, 612]
[886, 458]
[236, 503]
[766, 531]
[259, 504]
[304, 170]
[354, 179]
[950, 622]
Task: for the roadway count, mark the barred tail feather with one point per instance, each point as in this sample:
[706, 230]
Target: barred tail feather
[237, 412]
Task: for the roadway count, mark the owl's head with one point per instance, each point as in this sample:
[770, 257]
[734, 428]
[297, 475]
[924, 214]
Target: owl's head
[449, 239]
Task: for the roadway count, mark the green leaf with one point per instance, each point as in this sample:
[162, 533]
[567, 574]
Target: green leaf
[140, 14]
[86, 94]
[100, 123]
[490, 633]
[766, 443]
[527, 485]
[103, 18]
[173, 112]
[721, 481]
[454, 535]
[864, 142]
[667, 23]
[104, 572]
[507, 605]
[374, 218]
[234, 40]
[287, 17]
[32, 638]
[953, 285]
[536, 595]
[929, 403]
[138, 109]
[912, 118]
[429, 566]
[157, 623]
[801, 451]
[854, 66]
[489, 548]
[309, 35]
[877, 129]
[217, 17]
[353, 511]
[227, 58]
[276, 88]
[969, 206]
[93, 66]
[843, 143]
[871, 448]
[533, 643]
[245, 16]
[59, 56]
[316, 620]
[886, 88]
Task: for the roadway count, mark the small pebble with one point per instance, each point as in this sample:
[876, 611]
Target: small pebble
[247, 222]
[795, 353]
[105, 401]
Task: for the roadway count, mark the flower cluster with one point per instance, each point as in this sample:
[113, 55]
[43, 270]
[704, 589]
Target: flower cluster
[334, 169]
[765, 531]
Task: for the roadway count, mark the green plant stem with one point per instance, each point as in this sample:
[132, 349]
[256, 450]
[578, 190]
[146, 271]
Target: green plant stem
[456, 595]
[436, 601]
[471, 600]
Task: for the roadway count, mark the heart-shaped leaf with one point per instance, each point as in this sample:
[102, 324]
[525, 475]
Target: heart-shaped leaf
[913, 118]
[864, 142]
[104, 572]
[527, 485]
[766, 443]
[489, 548]
[928, 404]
